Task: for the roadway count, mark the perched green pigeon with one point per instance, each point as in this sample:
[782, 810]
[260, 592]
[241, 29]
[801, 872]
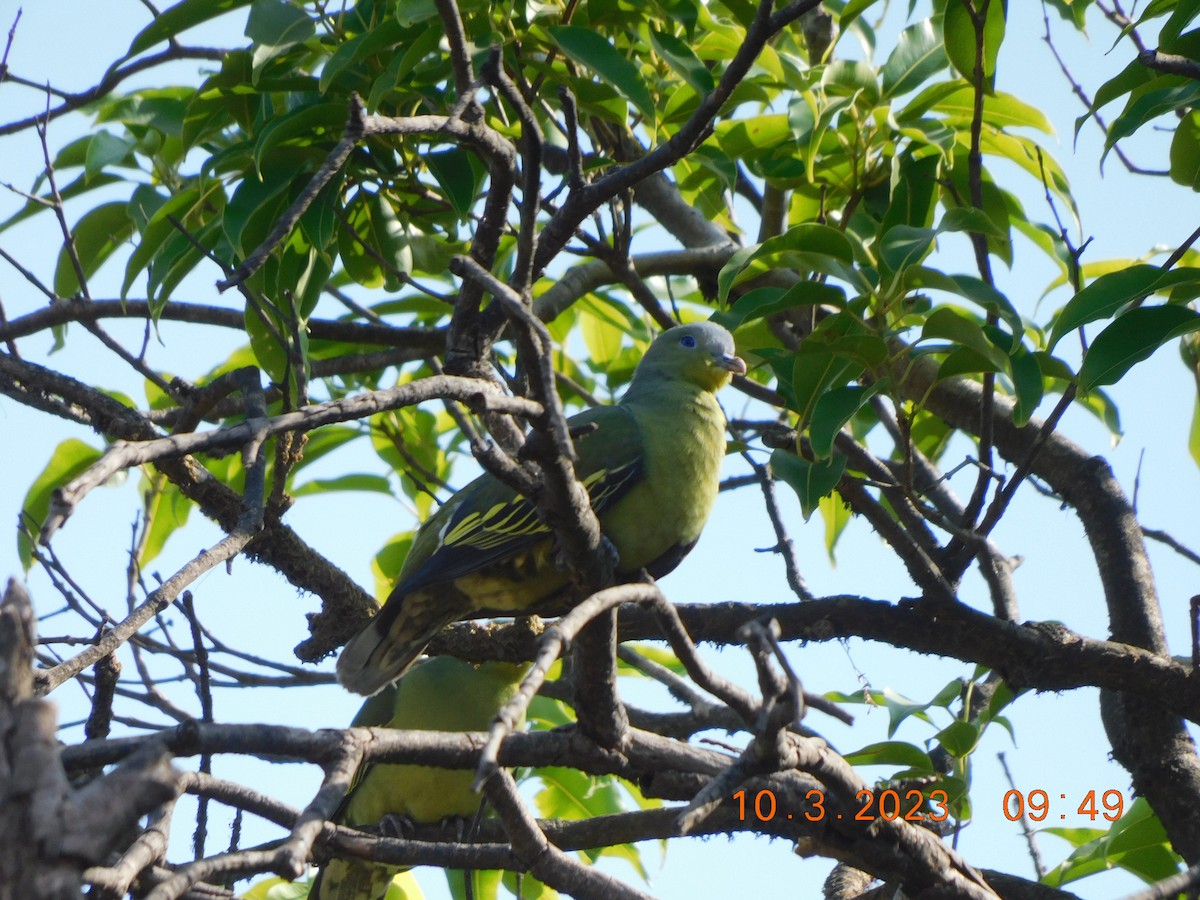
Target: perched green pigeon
[440, 694]
[651, 465]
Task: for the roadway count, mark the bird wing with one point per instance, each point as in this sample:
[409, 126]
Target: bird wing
[488, 522]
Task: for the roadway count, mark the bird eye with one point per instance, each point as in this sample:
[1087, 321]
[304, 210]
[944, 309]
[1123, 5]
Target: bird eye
[687, 341]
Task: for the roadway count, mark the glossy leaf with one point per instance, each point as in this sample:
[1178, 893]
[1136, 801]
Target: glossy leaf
[96, 236]
[762, 302]
[810, 245]
[70, 458]
[454, 172]
[277, 24]
[361, 481]
[1000, 110]
[1107, 294]
[832, 411]
[107, 149]
[592, 50]
[815, 368]
[891, 753]
[1185, 152]
[810, 480]
[1148, 103]
[184, 206]
[959, 738]
[1027, 380]
[962, 38]
[319, 124]
[166, 511]
[1132, 338]
[1194, 431]
[970, 288]
[175, 20]
[682, 60]
[919, 54]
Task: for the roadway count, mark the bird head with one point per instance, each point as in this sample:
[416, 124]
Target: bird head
[701, 353]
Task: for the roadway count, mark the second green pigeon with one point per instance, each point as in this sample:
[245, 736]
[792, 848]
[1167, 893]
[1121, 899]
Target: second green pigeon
[440, 694]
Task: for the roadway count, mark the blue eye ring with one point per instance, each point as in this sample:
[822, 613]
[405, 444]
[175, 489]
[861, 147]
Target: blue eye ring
[687, 341]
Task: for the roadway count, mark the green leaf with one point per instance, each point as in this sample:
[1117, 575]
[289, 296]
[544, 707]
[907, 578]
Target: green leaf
[1185, 152]
[271, 356]
[852, 11]
[107, 149]
[1107, 294]
[275, 23]
[276, 889]
[854, 79]
[320, 124]
[919, 54]
[96, 237]
[183, 206]
[144, 202]
[965, 361]
[602, 335]
[746, 137]
[473, 884]
[1137, 842]
[1130, 339]
[959, 738]
[809, 245]
[527, 887]
[962, 40]
[970, 288]
[963, 218]
[253, 209]
[837, 515]
[891, 753]
[357, 482]
[815, 367]
[904, 245]
[832, 411]
[1027, 381]
[914, 192]
[999, 109]
[388, 561]
[382, 37]
[1148, 103]
[683, 61]
[179, 18]
[413, 12]
[900, 708]
[764, 301]
[70, 458]
[1074, 11]
[1194, 432]
[453, 171]
[166, 511]
[590, 49]
[810, 481]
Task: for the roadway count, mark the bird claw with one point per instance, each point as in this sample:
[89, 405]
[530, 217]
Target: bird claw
[397, 826]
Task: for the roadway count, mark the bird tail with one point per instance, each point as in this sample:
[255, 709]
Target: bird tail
[390, 643]
[352, 879]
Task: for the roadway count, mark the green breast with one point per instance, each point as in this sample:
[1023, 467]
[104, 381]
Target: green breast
[683, 443]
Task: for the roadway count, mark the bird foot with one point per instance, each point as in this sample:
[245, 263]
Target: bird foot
[396, 826]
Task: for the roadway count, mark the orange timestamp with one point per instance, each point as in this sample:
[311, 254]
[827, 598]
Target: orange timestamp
[887, 804]
[1038, 802]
